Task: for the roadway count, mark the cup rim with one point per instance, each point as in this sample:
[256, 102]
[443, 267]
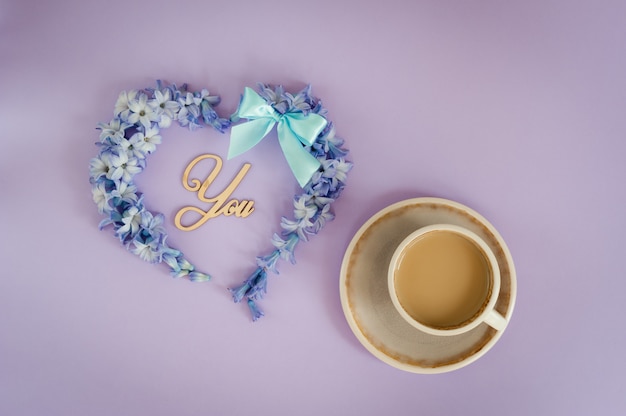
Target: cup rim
[487, 307]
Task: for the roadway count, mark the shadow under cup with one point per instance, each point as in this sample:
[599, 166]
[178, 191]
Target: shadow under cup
[444, 280]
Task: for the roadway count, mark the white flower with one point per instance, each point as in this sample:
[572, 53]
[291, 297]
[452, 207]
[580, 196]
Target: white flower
[123, 167]
[147, 252]
[100, 166]
[121, 105]
[132, 146]
[113, 131]
[302, 210]
[141, 112]
[147, 142]
[342, 168]
[125, 192]
[100, 197]
[132, 220]
[164, 107]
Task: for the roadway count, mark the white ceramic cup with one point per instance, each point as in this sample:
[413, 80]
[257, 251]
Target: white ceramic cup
[484, 313]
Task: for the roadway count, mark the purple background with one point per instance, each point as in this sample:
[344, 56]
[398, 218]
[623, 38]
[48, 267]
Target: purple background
[513, 108]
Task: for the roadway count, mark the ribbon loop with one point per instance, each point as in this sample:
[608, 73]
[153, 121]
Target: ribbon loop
[295, 130]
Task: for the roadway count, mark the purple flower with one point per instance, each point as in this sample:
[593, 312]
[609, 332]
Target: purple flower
[274, 97]
[151, 228]
[253, 287]
[269, 262]
[329, 144]
[254, 310]
[189, 114]
[210, 117]
[286, 247]
[150, 251]
[123, 193]
[324, 215]
[304, 210]
[301, 101]
[131, 221]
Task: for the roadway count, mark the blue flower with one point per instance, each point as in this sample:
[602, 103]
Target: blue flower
[210, 117]
[329, 144]
[123, 193]
[319, 109]
[239, 292]
[196, 276]
[341, 169]
[122, 109]
[323, 216]
[319, 187]
[123, 167]
[189, 114]
[269, 262]
[253, 287]
[113, 132]
[304, 210]
[140, 112]
[100, 196]
[179, 266]
[286, 247]
[132, 146]
[114, 218]
[152, 226]
[204, 95]
[259, 285]
[254, 310]
[301, 101]
[170, 257]
[321, 201]
[164, 107]
[275, 97]
[295, 226]
[330, 178]
[100, 166]
[131, 221]
[145, 143]
[149, 252]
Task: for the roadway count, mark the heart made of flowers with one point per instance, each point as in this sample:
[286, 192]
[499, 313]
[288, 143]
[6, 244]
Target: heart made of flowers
[306, 137]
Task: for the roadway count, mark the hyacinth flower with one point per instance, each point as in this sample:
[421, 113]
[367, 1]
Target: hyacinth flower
[140, 112]
[312, 208]
[134, 133]
[112, 132]
[252, 289]
[124, 144]
[101, 197]
[122, 105]
[164, 106]
[255, 312]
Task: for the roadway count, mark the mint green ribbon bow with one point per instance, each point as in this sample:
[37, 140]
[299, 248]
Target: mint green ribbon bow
[294, 130]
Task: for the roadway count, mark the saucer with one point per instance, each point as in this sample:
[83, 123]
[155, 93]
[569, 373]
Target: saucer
[368, 307]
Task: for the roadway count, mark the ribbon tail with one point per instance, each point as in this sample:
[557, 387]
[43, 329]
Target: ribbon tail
[245, 136]
[302, 163]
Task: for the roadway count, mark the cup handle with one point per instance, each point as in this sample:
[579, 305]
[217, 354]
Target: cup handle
[495, 320]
